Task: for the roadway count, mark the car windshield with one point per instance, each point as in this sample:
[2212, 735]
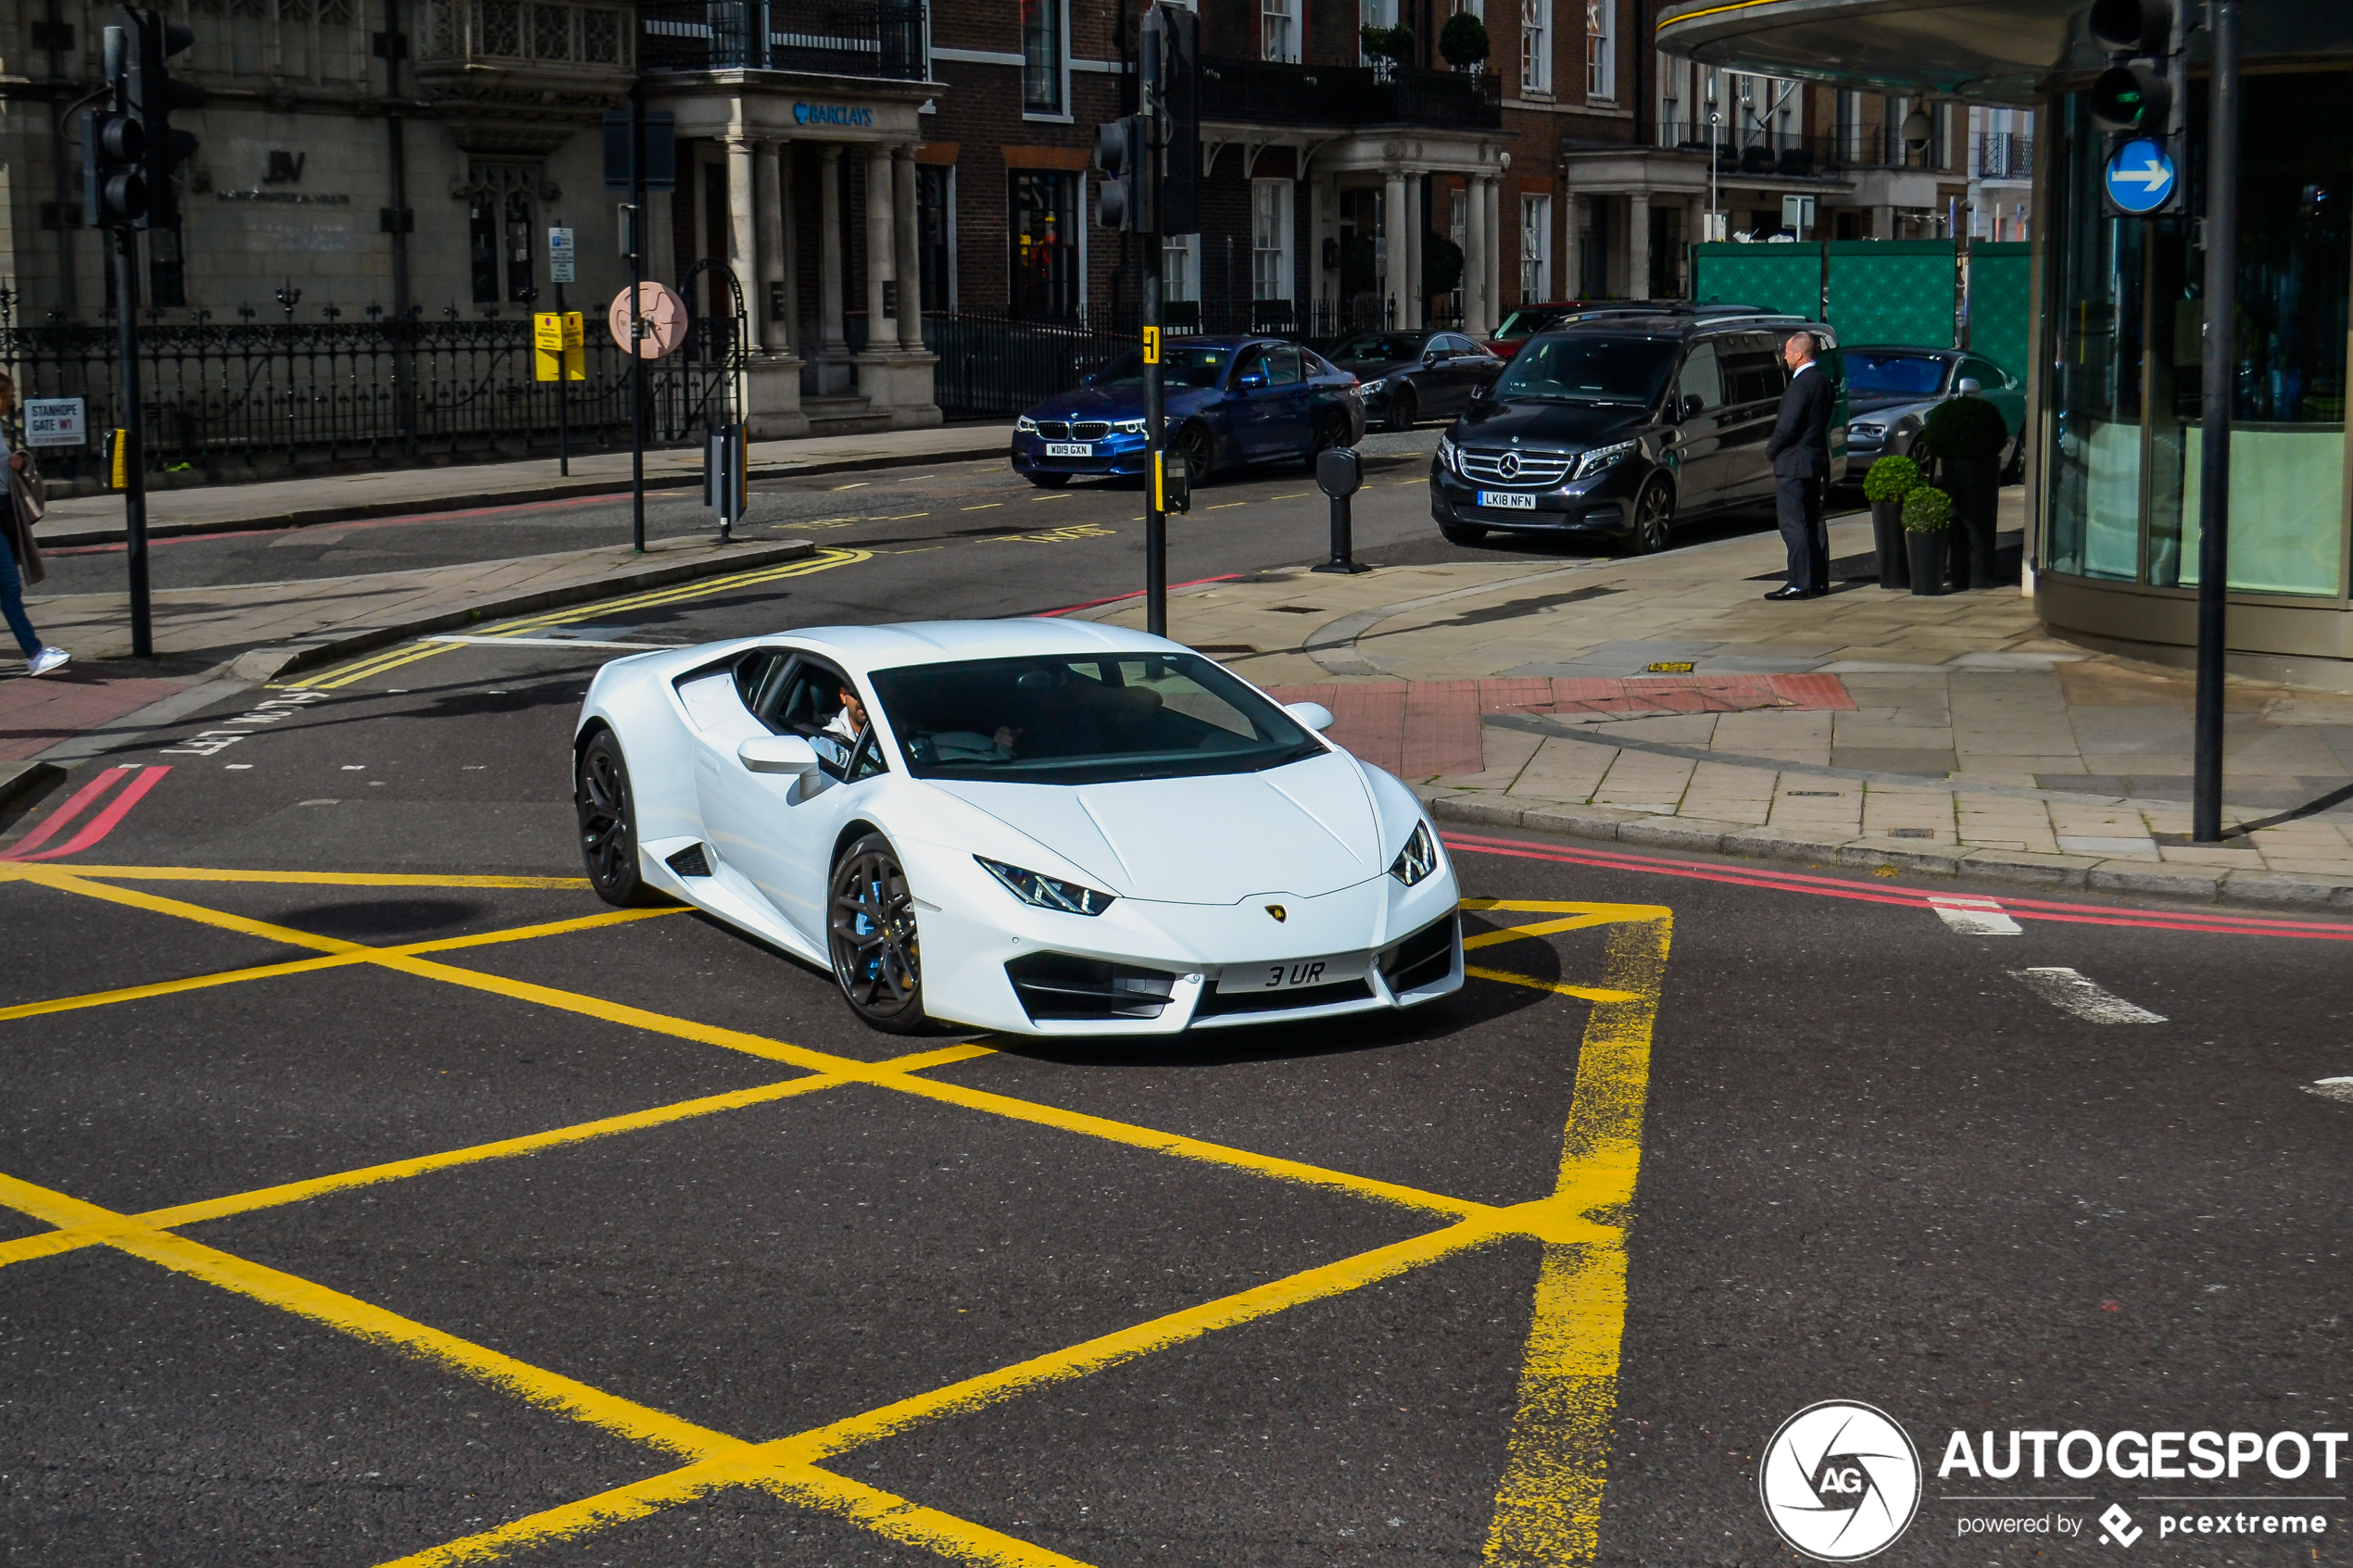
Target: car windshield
[1918, 375]
[1377, 349]
[1588, 367]
[1085, 719]
[1525, 323]
[1179, 367]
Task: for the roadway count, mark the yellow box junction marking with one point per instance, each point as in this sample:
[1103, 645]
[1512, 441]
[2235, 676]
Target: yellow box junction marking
[1547, 1508]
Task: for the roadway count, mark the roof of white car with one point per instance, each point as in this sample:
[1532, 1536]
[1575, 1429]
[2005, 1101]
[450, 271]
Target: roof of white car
[935, 642]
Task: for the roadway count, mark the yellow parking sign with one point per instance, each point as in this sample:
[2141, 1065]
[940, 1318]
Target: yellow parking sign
[1151, 345]
[558, 349]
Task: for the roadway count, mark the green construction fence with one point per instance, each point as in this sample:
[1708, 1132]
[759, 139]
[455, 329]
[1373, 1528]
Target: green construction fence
[1915, 291]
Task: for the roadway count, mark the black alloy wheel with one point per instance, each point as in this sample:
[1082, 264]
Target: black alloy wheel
[1402, 409]
[1653, 517]
[608, 822]
[1193, 446]
[1046, 480]
[870, 920]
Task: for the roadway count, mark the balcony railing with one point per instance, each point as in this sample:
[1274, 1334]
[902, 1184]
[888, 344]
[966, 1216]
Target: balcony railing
[1795, 154]
[867, 38]
[2003, 155]
[523, 34]
[1274, 93]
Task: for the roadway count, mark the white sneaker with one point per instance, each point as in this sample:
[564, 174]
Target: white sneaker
[45, 661]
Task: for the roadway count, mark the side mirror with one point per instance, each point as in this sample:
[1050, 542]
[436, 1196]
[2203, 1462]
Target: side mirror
[777, 754]
[1252, 383]
[1970, 386]
[1692, 406]
[1314, 715]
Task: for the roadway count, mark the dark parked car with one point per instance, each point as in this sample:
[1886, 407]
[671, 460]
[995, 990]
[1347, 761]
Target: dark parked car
[1230, 400]
[1891, 390]
[1529, 320]
[1615, 427]
[1404, 376]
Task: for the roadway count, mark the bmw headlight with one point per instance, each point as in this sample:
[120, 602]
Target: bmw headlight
[1026, 425]
[1128, 427]
[1602, 458]
[1418, 858]
[1048, 892]
[1368, 388]
[1448, 455]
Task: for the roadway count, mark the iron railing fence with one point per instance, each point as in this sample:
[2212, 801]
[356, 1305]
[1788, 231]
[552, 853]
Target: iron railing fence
[867, 38]
[251, 396]
[2003, 155]
[1281, 92]
[1802, 154]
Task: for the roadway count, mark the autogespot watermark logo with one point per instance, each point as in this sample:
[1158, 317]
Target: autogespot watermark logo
[1841, 1481]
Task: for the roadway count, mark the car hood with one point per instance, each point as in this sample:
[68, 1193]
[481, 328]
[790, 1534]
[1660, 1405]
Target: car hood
[1885, 404]
[1126, 403]
[1574, 425]
[1306, 828]
[1372, 369]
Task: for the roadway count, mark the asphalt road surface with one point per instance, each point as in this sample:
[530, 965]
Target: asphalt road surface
[371, 1194]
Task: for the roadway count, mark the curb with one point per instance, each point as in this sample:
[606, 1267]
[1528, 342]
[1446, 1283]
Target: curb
[273, 660]
[561, 490]
[23, 783]
[2262, 889]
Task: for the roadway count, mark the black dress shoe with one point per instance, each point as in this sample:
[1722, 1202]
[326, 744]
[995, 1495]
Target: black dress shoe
[1790, 591]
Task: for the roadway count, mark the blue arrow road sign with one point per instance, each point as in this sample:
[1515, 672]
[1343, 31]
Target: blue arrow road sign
[2140, 176]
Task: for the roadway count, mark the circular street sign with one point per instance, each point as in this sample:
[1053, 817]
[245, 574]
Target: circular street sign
[659, 311]
[2140, 176]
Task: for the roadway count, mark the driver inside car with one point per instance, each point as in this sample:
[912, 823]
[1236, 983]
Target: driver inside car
[849, 719]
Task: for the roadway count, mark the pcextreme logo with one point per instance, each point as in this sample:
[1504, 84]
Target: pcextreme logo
[1840, 1481]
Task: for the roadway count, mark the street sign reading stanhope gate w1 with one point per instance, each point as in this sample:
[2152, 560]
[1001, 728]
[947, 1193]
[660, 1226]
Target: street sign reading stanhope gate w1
[2140, 178]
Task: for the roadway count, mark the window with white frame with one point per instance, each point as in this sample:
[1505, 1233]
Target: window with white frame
[1535, 45]
[1270, 224]
[1459, 221]
[1279, 30]
[1476, 7]
[1180, 268]
[1045, 62]
[1535, 248]
[1601, 49]
[1373, 13]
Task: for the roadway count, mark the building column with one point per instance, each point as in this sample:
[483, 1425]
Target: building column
[743, 237]
[769, 208]
[1392, 223]
[789, 252]
[1638, 247]
[880, 247]
[1416, 224]
[1490, 217]
[829, 282]
[911, 273]
[1476, 319]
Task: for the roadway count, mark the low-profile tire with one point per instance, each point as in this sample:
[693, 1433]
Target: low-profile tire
[869, 925]
[1653, 517]
[1194, 447]
[608, 822]
[1047, 481]
[1329, 430]
[1403, 410]
[1462, 532]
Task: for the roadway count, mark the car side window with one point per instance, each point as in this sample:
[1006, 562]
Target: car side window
[757, 674]
[1702, 378]
[1989, 375]
[1456, 343]
[806, 700]
[1283, 365]
[867, 760]
[1250, 368]
[1751, 376]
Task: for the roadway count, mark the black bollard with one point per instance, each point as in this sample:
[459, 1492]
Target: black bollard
[1340, 473]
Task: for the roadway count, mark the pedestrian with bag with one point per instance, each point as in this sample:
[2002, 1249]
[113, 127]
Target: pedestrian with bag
[19, 556]
[1800, 450]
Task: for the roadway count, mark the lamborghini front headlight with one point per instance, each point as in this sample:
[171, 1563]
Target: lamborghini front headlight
[1418, 858]
[1046, 892]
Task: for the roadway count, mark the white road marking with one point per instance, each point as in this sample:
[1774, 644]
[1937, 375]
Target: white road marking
[2070, 992]
[2332, 1089]
[238, 767]
[1973, 917]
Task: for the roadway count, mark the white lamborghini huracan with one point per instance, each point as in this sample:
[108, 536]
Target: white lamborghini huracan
[1045, 827]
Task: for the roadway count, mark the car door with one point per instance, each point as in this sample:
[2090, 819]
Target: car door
[1288, 397]
[1698, 437]
[1753, 378]
[1248, 405]
[1447, 380]
[1996, 386]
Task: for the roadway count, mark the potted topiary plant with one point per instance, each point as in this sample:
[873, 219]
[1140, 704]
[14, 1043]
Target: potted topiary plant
[1387, 48]
[1928, 527]
[1965, 435]
[1463, 40]
[1885, 483]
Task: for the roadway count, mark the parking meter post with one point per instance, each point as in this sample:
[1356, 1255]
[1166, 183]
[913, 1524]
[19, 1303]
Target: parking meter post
[1340, 473]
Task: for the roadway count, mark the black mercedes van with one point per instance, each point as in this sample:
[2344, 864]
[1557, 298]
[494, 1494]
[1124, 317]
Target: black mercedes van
[1615, 426]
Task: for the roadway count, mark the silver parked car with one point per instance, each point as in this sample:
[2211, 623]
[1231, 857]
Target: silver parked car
[1890, 390]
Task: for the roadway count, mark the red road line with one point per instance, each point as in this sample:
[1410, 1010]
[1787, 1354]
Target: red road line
[351, 522]
[72, 806]
[1196, 583]
[1864, 891]
[105, 822]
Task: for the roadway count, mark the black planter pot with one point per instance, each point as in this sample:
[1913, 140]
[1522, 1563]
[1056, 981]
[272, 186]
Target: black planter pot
[1887, 537]
[1926, 546]
[1975, 484]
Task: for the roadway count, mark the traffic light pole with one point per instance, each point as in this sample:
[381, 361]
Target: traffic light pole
[134, 466]
[2214, 418]
[1155, 396]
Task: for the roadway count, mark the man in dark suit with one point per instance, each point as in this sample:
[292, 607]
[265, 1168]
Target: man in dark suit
[1800, 448]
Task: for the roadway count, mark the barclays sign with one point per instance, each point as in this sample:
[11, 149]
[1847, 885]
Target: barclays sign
[831, 114]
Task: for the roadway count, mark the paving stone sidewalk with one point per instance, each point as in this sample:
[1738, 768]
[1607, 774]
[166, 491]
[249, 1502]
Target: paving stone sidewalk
[1663, 702]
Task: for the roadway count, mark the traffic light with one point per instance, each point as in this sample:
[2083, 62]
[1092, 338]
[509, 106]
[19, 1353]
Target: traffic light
[1123, 152]
[1177, 92]
[153, 95]
[114, 151]
[2145, 91]
[2134, 96]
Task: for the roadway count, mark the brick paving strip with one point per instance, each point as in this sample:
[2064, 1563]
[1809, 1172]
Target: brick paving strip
[1868, 729]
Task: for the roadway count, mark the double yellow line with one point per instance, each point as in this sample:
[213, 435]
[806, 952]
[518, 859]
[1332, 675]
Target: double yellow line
[409, 653]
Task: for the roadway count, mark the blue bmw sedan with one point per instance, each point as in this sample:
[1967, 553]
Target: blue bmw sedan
[1231, 401]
